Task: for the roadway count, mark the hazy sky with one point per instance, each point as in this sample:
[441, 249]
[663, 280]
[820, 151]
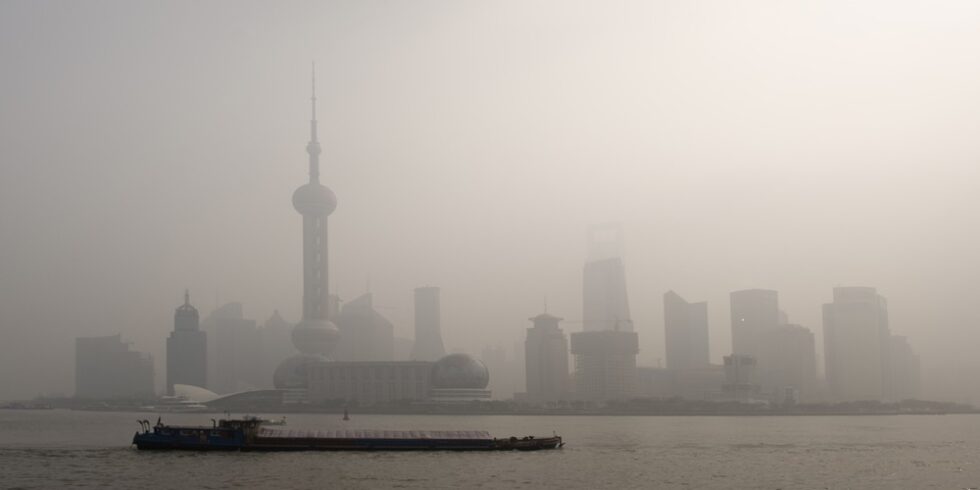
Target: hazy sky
[146, 147]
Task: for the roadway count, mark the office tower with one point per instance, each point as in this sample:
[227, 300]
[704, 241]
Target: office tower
[686, 333]
[105, 367]
[233, 351]
[787, 363]
[402, 350]
[856, 344]
[187, 349]
[546, 359]
[365, 335]
[605, 365]
[905, 371]
[428, 330]
[753, 311]
[275, 344]
[495, 359]
[315, 336]
[605, 303]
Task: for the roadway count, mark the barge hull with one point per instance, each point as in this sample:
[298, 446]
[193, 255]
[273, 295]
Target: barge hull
[248, 435]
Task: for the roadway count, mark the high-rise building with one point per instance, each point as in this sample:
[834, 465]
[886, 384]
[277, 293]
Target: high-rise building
[905, 374]
[856, 344]
[233, 350]
[686, 333]
[784, 355]
[315, 336]
[365, 334]
[605, 364]
[787, 363]
[105, 367]
[494, 357]
[428, 325]
[605, 303]
[605, 351]
[402, 349]
[187, 349]
[753, 311]
[546, 359]
[275, 344]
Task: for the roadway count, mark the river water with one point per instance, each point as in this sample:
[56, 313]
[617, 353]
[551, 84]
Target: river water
[68, 449]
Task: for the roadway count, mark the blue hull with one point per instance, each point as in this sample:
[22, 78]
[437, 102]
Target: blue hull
[247, 436]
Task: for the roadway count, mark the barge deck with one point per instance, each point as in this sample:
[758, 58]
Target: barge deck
[250, 435]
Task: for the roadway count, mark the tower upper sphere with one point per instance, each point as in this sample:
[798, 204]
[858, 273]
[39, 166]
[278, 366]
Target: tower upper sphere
[314, 199]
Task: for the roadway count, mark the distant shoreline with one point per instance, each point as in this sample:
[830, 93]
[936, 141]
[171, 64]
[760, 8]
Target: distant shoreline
[591, 413]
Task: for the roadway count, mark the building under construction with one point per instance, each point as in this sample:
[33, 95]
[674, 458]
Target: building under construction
[605, 364]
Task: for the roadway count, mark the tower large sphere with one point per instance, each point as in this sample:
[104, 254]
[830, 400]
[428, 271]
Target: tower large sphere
[459, 371]
[314, 199]
[316, 337]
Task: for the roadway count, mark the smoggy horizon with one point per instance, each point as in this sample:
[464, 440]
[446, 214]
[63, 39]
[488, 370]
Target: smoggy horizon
[148, 148]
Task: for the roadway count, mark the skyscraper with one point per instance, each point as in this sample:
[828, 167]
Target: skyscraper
[753, 312]
[546, 359]
[428, 325]
[686, 332]
[315, 336]
[905, 375]
[187, 349]
[605, 351]
[365, 334]
[787, 362]
[605, 303]
[275, 344]
[105, 367]
[233, 351]
[605, 365]
[856, 344]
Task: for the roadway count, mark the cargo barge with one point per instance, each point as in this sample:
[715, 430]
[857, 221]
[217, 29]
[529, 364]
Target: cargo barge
[250, 435]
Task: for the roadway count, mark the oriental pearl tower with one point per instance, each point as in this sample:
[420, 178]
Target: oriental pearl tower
[315, 336]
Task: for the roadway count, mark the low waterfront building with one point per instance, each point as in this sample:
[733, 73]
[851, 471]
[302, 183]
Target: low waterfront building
[369, 382]
[454, 378]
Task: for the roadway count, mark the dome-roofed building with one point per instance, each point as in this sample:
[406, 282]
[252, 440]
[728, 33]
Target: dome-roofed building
[459, 371]
[459, 377]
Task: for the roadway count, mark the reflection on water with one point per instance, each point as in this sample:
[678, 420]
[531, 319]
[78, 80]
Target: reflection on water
[51, 449]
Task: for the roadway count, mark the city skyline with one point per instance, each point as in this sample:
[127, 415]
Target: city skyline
[448, 179]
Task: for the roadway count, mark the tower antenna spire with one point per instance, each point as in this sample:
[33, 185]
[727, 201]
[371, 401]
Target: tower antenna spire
[313, 147]
[313, 98]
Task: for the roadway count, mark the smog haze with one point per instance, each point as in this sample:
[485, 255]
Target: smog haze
[149, 147]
